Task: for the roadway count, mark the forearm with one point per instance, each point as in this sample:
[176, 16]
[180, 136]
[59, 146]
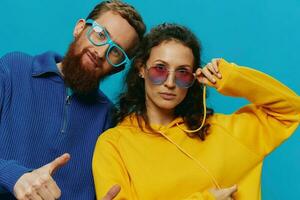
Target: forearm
[109, 170]
[260, 89]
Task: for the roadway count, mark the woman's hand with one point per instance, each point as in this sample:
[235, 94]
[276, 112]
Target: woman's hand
[209, 74]
[224, 193]
[112, 192]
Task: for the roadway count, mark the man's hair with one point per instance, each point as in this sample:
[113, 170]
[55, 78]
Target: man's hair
[129, 13]
[133, 101]
[125, 10]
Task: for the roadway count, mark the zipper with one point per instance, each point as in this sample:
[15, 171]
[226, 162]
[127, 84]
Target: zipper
[66, 110]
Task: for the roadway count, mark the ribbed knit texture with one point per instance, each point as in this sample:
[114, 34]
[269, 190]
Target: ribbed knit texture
[38, 124]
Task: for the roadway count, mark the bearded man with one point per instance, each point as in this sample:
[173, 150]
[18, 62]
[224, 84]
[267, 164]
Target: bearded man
[52, 109]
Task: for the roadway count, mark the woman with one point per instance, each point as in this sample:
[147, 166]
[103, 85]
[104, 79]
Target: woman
[152, 154]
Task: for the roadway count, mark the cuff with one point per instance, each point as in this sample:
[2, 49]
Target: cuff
[10, 172]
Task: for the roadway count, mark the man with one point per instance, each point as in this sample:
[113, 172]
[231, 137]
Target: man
[51, 106]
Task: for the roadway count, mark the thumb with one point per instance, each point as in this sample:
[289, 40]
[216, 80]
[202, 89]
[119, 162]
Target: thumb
[112, 192]
[58, 163]
[232, 189]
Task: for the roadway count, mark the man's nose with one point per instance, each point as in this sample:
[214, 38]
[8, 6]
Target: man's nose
[100, 51]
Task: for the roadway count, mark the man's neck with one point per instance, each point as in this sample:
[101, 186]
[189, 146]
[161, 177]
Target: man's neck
[59, 67]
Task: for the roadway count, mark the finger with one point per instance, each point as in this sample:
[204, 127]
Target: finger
[204, 81]
[58, 163]
[54, 189]
[23, 186]
[25, 198]
[30, 193]
[231, 190]
[218, 60]
[35, 196]
[215, 63]
[198, 71]
[208, 75]
[201, 78]
[19, 191]
[212, 68]
[112, 193]
[21, 194]
[45, 193]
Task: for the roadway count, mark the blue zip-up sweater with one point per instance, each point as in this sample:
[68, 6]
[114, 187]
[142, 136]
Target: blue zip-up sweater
[40, 121]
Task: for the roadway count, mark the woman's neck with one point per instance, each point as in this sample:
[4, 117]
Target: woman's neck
[158, 116]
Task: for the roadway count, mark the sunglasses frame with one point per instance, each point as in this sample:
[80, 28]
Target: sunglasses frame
[177, 81]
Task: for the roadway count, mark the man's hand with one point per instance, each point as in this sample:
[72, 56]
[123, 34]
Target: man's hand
[39, 184]
[112, 192]
[224, 193]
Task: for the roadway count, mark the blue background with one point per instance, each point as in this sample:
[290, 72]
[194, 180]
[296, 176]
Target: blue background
[262, 34]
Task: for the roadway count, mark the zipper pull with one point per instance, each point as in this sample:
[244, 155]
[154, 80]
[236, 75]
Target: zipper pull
[68, 99]
[69, 94]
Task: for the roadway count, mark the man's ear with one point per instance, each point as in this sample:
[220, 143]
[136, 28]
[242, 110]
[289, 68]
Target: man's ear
[79, 27]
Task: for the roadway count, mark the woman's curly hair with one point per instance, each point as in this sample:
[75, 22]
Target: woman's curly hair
[133, 101]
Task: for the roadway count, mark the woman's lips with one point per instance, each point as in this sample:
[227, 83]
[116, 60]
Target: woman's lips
[167, 96]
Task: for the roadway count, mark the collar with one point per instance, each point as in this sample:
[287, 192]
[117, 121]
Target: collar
[132, 120]
[70, 92]
[46, 64]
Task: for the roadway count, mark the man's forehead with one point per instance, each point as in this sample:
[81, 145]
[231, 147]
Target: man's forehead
[118, 28]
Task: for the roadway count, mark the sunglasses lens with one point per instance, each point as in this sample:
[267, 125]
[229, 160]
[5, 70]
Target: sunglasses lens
[157, 74]
[184, 78]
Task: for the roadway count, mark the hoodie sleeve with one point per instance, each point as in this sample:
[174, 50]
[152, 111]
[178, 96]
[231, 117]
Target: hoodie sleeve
[272, 116]
[109, 169]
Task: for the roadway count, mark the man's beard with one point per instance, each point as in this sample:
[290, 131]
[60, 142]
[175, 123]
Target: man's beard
[81, 80]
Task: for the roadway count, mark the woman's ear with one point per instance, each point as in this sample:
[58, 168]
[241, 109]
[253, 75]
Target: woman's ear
[140, 66]
[79, 27]
[142, 73]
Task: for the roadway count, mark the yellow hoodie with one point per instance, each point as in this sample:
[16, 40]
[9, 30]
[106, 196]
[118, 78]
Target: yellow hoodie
[172, 165]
